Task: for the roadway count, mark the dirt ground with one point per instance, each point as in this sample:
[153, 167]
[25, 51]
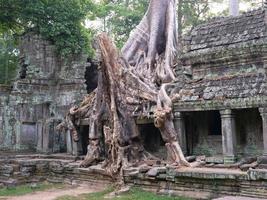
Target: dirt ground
[237, 198]
[52, 194]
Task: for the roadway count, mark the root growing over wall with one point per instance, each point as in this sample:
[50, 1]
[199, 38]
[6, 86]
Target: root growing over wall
[137, 81]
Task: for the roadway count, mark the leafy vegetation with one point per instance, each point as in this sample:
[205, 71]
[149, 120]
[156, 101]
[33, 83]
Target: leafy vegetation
[119, 17]
[8, 58]
[133, 194]
[60, 21]
[64, 23]
[26, 189]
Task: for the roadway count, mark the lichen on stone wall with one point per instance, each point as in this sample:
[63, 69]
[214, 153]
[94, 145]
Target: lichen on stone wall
[45, 86]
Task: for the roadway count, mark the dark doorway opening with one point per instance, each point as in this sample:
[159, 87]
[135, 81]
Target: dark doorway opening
[215, 123]
[84, 138]
[249, 137]
[203, 133]
[23, 71]
[91, 76]
[152, 140]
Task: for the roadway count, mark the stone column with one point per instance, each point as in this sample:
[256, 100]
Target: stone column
[179, 126]
[69, 142]
[1, 129]
[39, 136]
[228, 136]
[263, 112]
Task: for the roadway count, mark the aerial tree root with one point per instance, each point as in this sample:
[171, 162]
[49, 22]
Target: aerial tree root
[137, 81]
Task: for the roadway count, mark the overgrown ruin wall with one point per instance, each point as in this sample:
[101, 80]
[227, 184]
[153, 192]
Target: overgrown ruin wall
[45, 88]
[223, 66]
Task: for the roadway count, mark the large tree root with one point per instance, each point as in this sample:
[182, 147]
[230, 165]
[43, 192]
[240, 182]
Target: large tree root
[132, 83]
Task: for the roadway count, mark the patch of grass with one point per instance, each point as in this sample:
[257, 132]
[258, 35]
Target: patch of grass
[26, 189]
[133, 194]
[91, 196]
[138, 194]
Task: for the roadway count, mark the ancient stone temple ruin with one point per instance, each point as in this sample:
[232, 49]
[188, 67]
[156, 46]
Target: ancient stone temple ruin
[222, 106]
[220, 114]
[35, 103]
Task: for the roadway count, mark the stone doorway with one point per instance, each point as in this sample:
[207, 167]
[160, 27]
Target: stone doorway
[28, 136]
[91, 76]
[203, 133]
[152, 140]
[84, 139]
[249, 136]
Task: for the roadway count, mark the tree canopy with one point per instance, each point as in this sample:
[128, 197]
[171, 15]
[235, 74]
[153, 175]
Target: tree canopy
[64, 22]
[60, 21]
[8, 57]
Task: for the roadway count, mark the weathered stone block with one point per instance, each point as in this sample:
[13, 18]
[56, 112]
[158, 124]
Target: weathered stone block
[6, 169]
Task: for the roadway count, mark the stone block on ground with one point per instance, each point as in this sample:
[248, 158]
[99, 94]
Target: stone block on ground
[216, 160]
[262, 166]
[262, 159]
[155, 171]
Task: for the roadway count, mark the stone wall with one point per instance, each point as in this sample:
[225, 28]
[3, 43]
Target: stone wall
[45, 88]
[224, 64]
[249, 132]
[4, 93]
[200, 183]
[226, 31]
[223, 67]
[56, 169]
[203, 134]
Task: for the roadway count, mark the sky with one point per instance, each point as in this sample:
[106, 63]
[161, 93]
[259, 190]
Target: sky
[217, 7]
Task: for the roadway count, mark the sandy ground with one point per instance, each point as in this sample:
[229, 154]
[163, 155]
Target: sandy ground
[52, 194]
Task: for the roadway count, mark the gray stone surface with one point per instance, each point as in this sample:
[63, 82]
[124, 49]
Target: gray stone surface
[222, 66]
[228, 64]
[45, 88]
[228, 136]
[228, 30]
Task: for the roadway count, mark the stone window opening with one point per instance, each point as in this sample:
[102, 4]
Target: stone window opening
[23, 71]
[91, 76]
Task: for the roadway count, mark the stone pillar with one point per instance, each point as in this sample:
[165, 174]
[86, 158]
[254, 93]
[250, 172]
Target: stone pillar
[39, 136]
[69, 142]
[179, 126]
[75, 148]
[263, 112]
[228, 136]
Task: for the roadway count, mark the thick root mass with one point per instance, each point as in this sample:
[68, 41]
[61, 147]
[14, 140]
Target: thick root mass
[136, 82]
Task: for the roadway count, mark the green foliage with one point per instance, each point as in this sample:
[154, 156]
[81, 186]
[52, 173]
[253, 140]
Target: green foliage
[26, 189]
[119, 17]
[60, 21]
[8, 58]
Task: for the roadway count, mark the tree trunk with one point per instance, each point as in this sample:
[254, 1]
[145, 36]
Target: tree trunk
[234, 7]
[140, 77]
